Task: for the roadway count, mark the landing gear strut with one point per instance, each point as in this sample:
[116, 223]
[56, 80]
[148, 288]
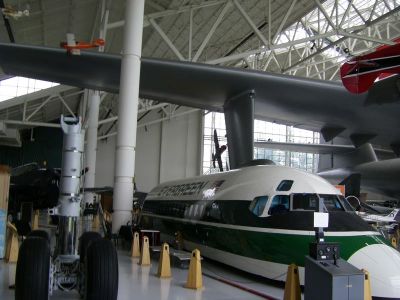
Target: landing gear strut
[94, 270]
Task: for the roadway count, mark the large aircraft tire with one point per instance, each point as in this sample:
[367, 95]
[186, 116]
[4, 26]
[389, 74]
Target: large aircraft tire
[40, 233]
[33, 267]
[101, 272]
[84, 242]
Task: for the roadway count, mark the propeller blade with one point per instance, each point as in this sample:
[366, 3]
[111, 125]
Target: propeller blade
[216, 142]
[220, 163]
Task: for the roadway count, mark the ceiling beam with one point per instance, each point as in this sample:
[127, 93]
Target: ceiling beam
[169, 12]
[166, 39]
[251, 23]
[366, 25]
[284, 20]
[212, 30]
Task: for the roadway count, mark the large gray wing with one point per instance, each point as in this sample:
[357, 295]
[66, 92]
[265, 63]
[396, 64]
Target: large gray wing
[306, 103]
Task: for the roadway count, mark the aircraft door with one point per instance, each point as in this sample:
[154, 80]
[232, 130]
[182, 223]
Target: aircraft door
[197, 212]
[212, 213]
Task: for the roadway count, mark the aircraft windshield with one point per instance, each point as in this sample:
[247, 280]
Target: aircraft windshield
[257, 206]
[310, 202]
[279, 205]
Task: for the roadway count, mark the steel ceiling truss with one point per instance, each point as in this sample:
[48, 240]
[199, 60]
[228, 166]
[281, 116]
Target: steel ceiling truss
[165, 111]
[337, 34]
[348, 27]
[29, 110]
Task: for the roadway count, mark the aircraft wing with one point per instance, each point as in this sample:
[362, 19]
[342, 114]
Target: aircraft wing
[317, 148]
[305, 103]
[308, 148]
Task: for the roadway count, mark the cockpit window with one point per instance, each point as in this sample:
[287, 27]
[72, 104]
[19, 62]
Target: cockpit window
[347, 206]
[310, 202]
[279, 205]
[257, 206]
[285, 186]
[332, 202]
[305, 202]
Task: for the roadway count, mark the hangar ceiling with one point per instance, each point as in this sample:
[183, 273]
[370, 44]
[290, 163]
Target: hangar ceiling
[297, 37]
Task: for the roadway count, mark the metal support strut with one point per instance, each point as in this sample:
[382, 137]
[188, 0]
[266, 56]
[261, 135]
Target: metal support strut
[69, 201]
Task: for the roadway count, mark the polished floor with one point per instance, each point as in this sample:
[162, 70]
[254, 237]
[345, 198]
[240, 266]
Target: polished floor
[220, 282]
[137, 282]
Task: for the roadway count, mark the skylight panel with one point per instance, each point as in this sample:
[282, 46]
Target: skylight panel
[19, 86]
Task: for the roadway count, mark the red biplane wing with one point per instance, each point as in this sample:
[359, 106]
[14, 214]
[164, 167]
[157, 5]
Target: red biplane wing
[360, 73]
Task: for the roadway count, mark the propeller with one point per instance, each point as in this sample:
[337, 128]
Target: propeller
[218, 152]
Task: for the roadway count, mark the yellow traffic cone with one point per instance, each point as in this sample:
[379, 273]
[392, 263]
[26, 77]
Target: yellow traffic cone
[135, 250]
[36, 220]
[292, 285]
[96, 222]
[12, 249]
[394, 242]
[145, 257]
[164, 265]
[367, 286]
[194, 279]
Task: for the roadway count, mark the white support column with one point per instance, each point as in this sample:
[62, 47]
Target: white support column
[92, 120]
[91, 145]
[127, 114]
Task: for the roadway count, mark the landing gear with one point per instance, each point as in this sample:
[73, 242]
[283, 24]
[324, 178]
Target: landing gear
[40, 233]
[84, 241]
[101, 271]
[94, 271]
[33, 270]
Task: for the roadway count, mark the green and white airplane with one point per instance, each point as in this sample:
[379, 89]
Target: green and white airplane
[260, 219]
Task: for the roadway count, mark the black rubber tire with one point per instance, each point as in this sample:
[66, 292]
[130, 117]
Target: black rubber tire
[40, 233]
[84, 242]
[33, 268]
[101, 271]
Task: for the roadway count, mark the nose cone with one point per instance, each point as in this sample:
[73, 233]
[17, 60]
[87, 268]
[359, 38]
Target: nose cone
[383, 264]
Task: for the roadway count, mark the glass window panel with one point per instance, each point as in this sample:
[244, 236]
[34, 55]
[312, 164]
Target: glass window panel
[18, 86]
[263, 131]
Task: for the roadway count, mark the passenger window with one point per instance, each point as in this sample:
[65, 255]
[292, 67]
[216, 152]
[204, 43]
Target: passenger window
[257, 206]
[279, 205]
[285, 186]
[214, 212]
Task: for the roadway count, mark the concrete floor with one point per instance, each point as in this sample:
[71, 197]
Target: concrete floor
[143, 283]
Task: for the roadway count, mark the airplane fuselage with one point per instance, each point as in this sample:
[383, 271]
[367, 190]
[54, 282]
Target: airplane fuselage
[260, 219]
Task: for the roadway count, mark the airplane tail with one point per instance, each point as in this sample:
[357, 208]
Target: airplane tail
[352, 185]
[360, 155]
[340, 170]
[396, 215]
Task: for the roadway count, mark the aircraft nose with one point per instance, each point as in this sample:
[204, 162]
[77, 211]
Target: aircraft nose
[383, 264]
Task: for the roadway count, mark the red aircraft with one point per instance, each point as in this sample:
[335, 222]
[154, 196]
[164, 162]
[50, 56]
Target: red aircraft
[82, 45]
[359, 73]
